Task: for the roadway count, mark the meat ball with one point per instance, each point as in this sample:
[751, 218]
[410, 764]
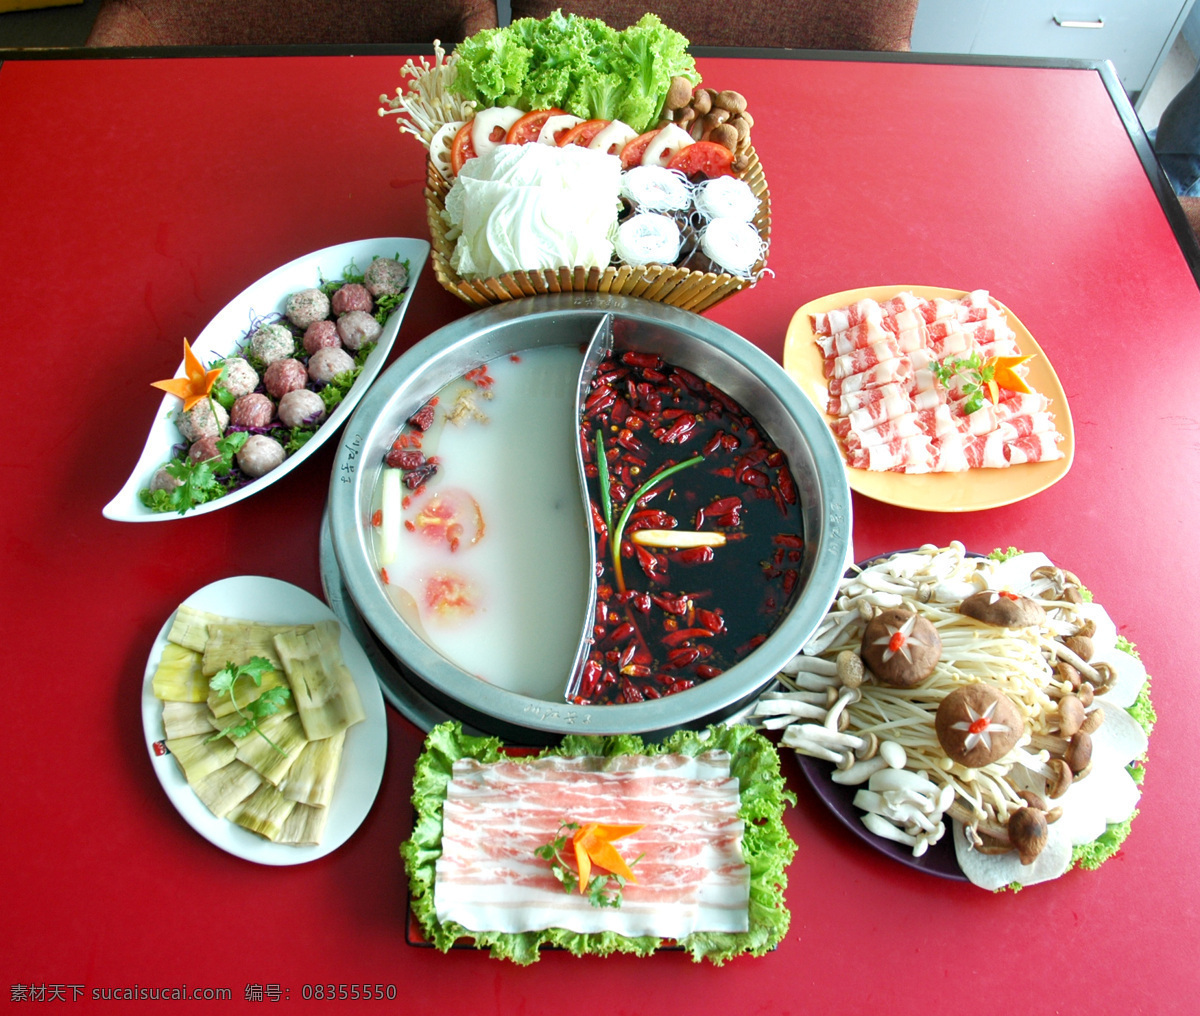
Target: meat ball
[272, 342]
[357, 328]
[205, 419]
[350, 297]
[321, 335]
[285, 376]
[238, 377]
[385, 277]
[253, 411]
[259, 455]
[163, 480]
[204, 449]
[326, 364]
[301, 407]
[305, 307]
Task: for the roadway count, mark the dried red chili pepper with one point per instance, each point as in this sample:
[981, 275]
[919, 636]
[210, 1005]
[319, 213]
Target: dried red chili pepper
[669, 641]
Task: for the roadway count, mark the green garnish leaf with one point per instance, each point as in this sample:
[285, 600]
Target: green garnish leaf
[224, 682]
[977, 374]
[605, 482]
[641, 492]
[199, 481]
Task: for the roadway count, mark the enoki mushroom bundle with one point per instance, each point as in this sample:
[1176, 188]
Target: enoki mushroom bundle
[1004, 658]
[1017, 661]
[425, 103]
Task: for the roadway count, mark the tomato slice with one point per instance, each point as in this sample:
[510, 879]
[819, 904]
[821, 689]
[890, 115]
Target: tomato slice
[449, 597]
[705, 159]
[525, 131]
[632, 153]
[451, 517]
[461, 148]
[583, 133]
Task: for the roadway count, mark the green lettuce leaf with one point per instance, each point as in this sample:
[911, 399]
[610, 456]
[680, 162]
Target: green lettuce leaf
[767, 847]
[577, 64]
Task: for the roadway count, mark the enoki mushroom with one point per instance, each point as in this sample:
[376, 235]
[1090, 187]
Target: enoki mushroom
[933, 582]
[425, 102]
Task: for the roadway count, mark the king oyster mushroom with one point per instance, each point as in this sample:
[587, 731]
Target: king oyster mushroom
[900, 647]
[976, 724]
[1003, 609]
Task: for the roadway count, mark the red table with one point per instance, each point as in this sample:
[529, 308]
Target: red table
[137, 196]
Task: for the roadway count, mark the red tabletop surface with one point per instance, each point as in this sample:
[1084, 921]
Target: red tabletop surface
[138, 196]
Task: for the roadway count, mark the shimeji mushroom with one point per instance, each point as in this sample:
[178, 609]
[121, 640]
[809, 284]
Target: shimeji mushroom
[891, 755]
[911, 805]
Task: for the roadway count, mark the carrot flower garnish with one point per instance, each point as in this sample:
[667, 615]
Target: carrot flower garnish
[976, 375]
[196, 385]
[592, 845]
[1004, 375]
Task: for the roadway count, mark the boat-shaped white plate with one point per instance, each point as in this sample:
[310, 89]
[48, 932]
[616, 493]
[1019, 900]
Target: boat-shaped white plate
[226, 333]
[973, 490]
[255, 598]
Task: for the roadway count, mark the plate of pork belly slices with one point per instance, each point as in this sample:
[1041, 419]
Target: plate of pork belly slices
[940, 399]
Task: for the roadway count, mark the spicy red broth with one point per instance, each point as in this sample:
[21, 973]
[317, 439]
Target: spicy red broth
[669, 617]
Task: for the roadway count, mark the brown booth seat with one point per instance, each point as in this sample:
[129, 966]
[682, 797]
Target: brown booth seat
[286, 22]
[793, 24]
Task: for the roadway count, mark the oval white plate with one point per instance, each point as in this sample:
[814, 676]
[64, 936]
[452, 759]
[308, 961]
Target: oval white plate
[223, 335]
[254, 598]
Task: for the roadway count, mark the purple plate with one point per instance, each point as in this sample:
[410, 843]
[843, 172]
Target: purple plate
[938, 860]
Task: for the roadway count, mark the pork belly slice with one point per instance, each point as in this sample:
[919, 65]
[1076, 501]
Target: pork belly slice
[691, 875]
[846, 317]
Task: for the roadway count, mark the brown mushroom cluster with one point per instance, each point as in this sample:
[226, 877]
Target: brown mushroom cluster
[927, 655]
[710, 115]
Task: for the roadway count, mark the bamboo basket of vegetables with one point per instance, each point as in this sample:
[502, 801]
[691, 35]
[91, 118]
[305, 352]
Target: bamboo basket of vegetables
[678, 286]
[442, 100]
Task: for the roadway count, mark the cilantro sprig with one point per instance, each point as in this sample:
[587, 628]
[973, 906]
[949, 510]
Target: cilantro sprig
[198, 481]
[978, 375]
[270, 702]
[602, 890]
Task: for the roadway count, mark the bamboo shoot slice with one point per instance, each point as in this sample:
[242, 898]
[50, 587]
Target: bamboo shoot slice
[189, 627]
[182, 719]
[178, 676]
[312, 776]
[287, 733]
[197, 756]
[237, 642]
[263, 812]
[322, 686]
[229, 786]
[304, 826]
